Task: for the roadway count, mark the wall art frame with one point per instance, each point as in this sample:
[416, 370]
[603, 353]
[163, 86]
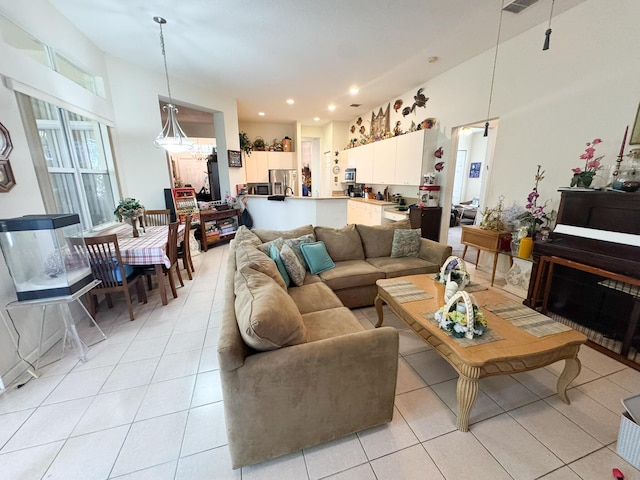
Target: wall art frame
[7, 180]
[235, 158]
[635, 133]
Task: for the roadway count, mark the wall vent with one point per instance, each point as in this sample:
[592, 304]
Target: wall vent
[519, 5]
[355, 105]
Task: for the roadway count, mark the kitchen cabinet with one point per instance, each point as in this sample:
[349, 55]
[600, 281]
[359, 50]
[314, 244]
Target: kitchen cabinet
[366, 212]
[427, 220]
[256, 167]
[400, 160]
[384, 161]
[281, 160]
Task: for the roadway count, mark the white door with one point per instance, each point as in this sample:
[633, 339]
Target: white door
[458, 182]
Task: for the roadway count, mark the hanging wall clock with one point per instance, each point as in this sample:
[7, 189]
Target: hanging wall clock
[7, 180]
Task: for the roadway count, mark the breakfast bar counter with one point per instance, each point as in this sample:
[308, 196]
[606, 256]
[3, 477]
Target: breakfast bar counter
[293, 212]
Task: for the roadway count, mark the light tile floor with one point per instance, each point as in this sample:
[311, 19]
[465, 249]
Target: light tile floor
[148, 405]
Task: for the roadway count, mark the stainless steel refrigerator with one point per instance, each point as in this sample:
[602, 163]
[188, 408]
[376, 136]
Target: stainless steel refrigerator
[284, 182]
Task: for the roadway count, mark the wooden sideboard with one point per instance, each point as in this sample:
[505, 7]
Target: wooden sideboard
[492, 241]
[427, 219]
[216, 216]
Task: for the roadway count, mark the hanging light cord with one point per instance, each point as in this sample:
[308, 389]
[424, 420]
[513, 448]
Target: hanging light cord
[547, 34]
[160, 21]
[493, 74]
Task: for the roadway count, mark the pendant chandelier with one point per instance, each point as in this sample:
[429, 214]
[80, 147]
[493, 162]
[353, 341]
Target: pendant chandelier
[171, 138]
[493, 75]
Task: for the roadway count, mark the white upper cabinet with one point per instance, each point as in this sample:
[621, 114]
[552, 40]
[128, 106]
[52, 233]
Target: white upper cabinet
[361, 158]
[285, 160]
[256, 167]
[408, 168]
[384, 161]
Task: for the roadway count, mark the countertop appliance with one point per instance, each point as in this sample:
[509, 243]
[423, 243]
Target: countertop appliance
[350, 175]
[259, 189]
[284, 182]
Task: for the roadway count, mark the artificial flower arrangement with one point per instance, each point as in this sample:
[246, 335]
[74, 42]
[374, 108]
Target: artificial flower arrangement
[584, 177]
[461, 318]
[128, 208]
[534, 215]
[454, 269]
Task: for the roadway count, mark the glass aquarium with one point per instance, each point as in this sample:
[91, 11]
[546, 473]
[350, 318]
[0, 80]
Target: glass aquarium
[41, 258]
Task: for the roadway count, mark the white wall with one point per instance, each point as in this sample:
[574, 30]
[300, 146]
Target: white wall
[549, 103]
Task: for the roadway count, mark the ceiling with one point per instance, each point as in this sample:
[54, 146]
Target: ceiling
[264, 52]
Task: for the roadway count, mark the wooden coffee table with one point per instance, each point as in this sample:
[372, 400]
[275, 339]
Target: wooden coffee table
[515, 351]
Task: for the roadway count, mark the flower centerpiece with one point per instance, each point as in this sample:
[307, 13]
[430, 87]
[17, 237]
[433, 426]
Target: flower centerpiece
[461, 318]
[131, 209]
[454, 275]
[534, 215]
[584, 177]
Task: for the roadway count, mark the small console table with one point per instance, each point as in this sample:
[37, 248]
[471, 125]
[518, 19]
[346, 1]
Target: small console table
[214, 216]
[487, 240]
[70, 332]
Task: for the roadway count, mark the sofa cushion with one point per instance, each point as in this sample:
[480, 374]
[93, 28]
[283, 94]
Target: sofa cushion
[266, 246]
[351, 273]
[398, 267]
[406, 243]
[314, 297]
[268, 235]
[267, 316]
[342, 244]
[377, 239]
[294, 268]
[317, 257]
[274, 254]
[329, 323]
[243, 234]
[248, 256]
[295, 243]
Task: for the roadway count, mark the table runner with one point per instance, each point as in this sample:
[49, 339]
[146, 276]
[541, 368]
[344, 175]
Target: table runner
[404, 291]
[529, 320]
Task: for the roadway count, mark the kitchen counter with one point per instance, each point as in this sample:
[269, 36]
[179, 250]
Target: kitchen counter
[371, 201]
[294, 212]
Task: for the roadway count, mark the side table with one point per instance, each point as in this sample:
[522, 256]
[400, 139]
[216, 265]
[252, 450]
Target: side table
[70, 332]
[492, 241]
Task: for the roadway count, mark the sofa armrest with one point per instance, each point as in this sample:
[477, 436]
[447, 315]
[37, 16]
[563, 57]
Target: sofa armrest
[288, 399]
[434, 252]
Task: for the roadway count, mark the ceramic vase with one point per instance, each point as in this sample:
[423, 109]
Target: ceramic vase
[526, 247]
[134, 224]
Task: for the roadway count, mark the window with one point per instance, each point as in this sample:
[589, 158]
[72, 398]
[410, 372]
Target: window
[77, 157]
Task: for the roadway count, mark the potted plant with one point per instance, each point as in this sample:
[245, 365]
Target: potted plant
[245, 143]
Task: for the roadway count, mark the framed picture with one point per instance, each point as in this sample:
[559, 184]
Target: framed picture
[474, 171]
[235, 158]
[635, 133]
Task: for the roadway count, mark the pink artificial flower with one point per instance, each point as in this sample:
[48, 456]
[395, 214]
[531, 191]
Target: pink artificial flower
[576, 170]
[597, 141]
[593, 164]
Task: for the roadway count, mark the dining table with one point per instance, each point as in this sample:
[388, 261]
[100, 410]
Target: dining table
[149, 248]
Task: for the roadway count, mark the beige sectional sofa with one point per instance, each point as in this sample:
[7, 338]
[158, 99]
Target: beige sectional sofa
[296, 366]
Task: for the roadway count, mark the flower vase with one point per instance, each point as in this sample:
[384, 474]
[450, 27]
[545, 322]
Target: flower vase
[134, 224]
[526, 247]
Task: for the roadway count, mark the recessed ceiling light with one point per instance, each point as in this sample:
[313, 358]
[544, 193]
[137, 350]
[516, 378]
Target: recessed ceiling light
[354, 90]
[290, 101]
[261, 114]
[332, 107]
[316, 119]
[432, 59]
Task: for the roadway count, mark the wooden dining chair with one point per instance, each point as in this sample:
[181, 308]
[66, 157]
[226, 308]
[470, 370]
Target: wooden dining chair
[106, 265]
[184, 249]
[172, 254]
[156, 217]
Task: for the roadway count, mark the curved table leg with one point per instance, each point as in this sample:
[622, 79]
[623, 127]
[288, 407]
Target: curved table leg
[571, 370]
[466, 392]
[378, 304]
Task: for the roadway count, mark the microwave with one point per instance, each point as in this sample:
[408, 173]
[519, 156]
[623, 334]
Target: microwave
[261, 189]
[350, 175]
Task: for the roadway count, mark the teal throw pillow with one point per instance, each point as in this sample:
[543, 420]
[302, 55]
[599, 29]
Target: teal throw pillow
[406, 243]
[275, 256]
[317, 257]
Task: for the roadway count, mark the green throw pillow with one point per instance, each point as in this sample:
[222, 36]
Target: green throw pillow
[406, 243]
[317, 257]
[275, 256]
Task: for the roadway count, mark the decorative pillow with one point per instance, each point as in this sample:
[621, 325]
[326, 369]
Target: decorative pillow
[268, 235]
[317, 257]
[249, 256]
[406, 243]
[267, 316]
[295, 243]
[266, 247]
[275, 256]
[342, 244]
[293, 266]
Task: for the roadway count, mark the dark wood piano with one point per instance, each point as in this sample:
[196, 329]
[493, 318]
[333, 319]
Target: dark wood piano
[588, 272]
